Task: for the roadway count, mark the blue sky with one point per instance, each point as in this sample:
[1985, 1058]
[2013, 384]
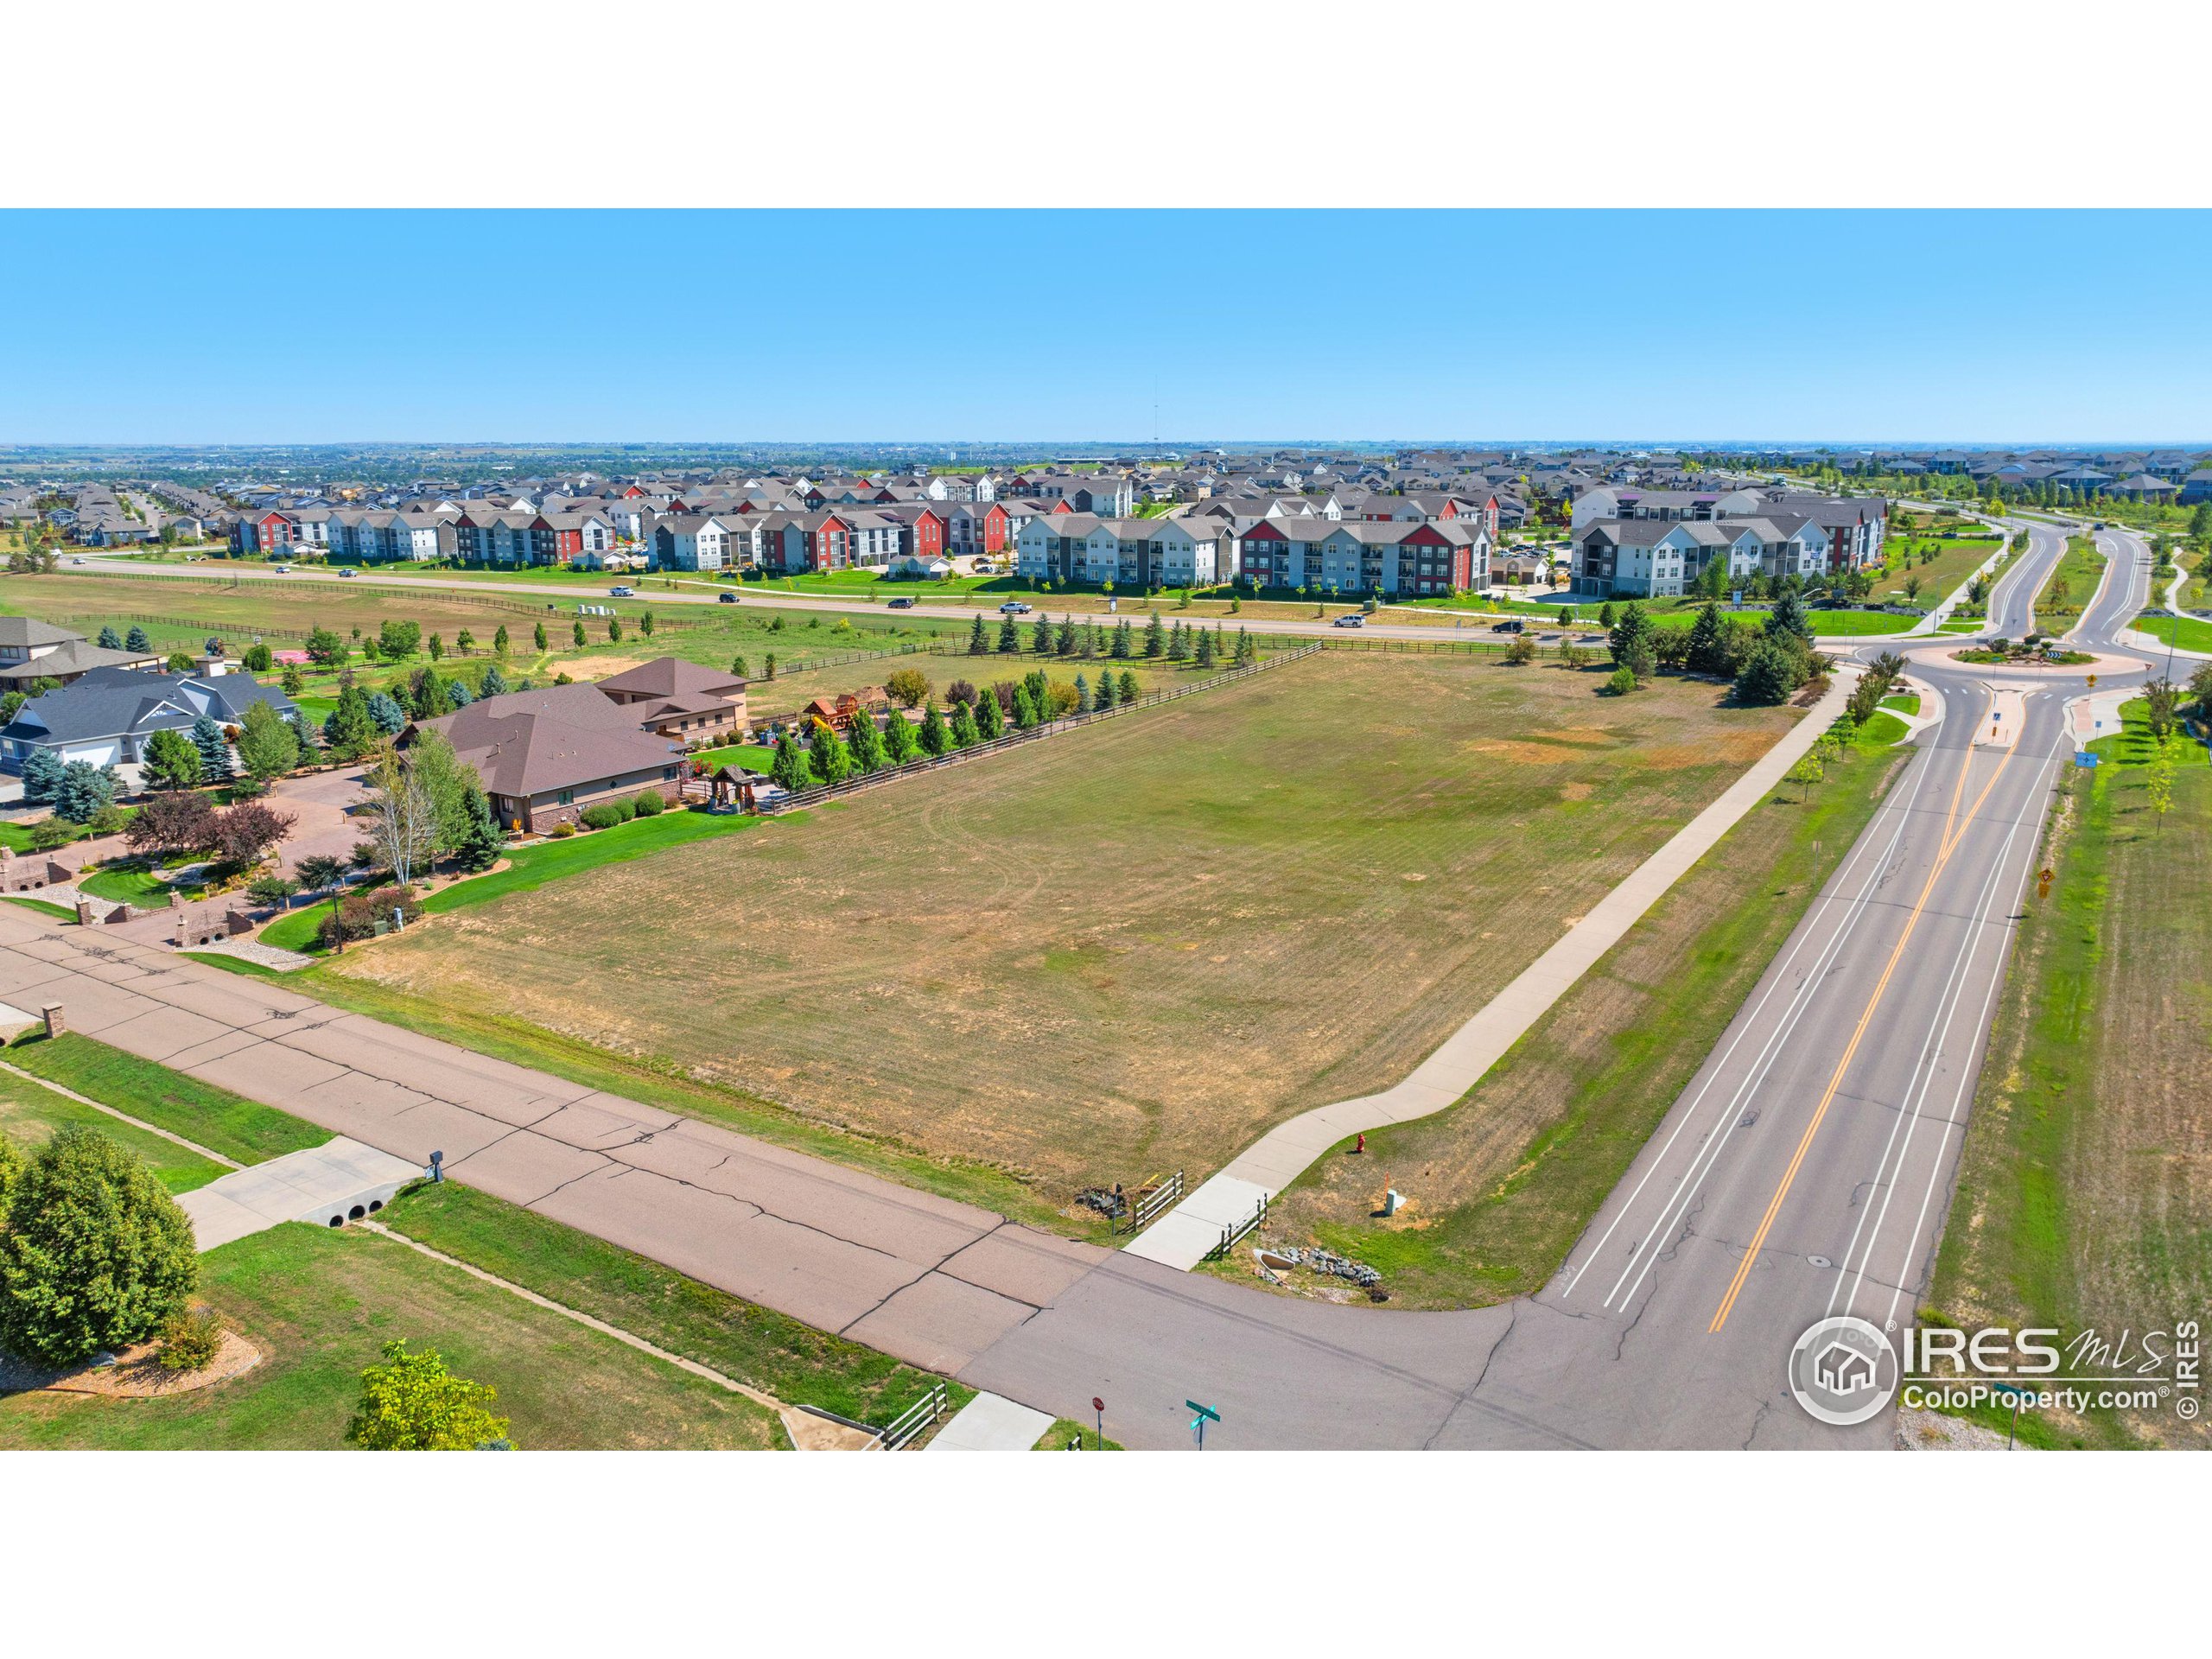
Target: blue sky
[195, 327]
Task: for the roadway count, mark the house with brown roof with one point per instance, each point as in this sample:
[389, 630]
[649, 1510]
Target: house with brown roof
[689, 703]
[545, 755]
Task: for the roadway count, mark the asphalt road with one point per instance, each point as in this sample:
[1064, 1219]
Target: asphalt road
[1477, 626]
[1806, 1170]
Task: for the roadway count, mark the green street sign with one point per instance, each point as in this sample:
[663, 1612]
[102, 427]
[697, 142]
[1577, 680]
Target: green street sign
[1204, 1411]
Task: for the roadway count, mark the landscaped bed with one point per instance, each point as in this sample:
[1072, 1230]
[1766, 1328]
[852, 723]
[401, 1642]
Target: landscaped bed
[1122, 952]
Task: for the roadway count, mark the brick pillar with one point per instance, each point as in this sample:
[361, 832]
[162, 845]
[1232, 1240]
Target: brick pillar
[55, 1025]
[85, 917]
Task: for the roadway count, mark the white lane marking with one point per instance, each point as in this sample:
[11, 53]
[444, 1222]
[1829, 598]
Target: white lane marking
[1701, 1163]
[1904, 817]
[1957, 1100]
[1923, 1072]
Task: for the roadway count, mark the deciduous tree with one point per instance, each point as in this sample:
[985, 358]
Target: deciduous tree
[411, 1402]
[94, 1253]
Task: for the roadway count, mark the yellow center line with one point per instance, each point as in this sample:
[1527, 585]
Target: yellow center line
[1948, 844]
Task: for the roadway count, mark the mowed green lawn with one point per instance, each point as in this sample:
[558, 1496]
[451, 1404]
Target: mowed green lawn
[1126, 949]
[321, 1304]
[30, 1115]
[2188, 632]
[203, 1113]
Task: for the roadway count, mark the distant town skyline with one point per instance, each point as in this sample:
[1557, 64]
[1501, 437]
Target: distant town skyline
[248, 329]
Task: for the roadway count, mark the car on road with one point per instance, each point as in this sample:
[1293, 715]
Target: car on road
[1014, 607]
[283, 569]
[77, 561]
[725, 599]
[905, 602]
[347, 573]
[1511, 624]
[622, 593]
[1350, 619]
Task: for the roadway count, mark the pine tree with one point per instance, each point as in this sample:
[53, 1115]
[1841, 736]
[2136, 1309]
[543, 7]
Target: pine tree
[1009, 636]
[214, 751]
[110, 640]
[936, 739]
[1128, 686]
[493, 685]
[1708, 650]
[1155, 637]
[481, 840]
[1121, 650]
[1091, 645]
[1247, 652]
[1082, 694]
[1041, 639]
[1106, 698]
[42, 770]
[385, 714]
[979, 643]
[1205, 646]
[990, 718]
[136, 640]
[1064, 642]
[1788, 617]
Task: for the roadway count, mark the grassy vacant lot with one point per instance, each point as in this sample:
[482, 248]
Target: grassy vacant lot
[320, 1305]
[201, 1112]
[2085, 1188]
[1501, 1184]
[31, 1115]
[788, 693]
[1941, 566]
[1128, 950]
[2072, 583]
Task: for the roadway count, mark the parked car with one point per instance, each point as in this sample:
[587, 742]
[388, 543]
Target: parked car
[620, 592]
[905, 602]
[1511, 624]
[347, 573]
[1351, 619]
[1014, 607]
[727, 599]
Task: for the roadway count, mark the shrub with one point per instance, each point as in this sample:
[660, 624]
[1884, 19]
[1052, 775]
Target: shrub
[1621, 681]
[191, 1341]
[412, 1403]
[605, 814]
[562, 831]
[96, 1253]
[1521, 650]
[358, 913]
[49, 834]
[650, 803]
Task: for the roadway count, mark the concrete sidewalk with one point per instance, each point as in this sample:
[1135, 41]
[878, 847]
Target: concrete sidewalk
[991, 1422]
[1183, 1237]
[925, 1279]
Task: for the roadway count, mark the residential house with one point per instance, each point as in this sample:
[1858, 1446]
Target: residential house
[106, 715]
[32, 651]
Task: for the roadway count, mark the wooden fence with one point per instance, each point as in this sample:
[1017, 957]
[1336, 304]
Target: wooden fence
[818, 793]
